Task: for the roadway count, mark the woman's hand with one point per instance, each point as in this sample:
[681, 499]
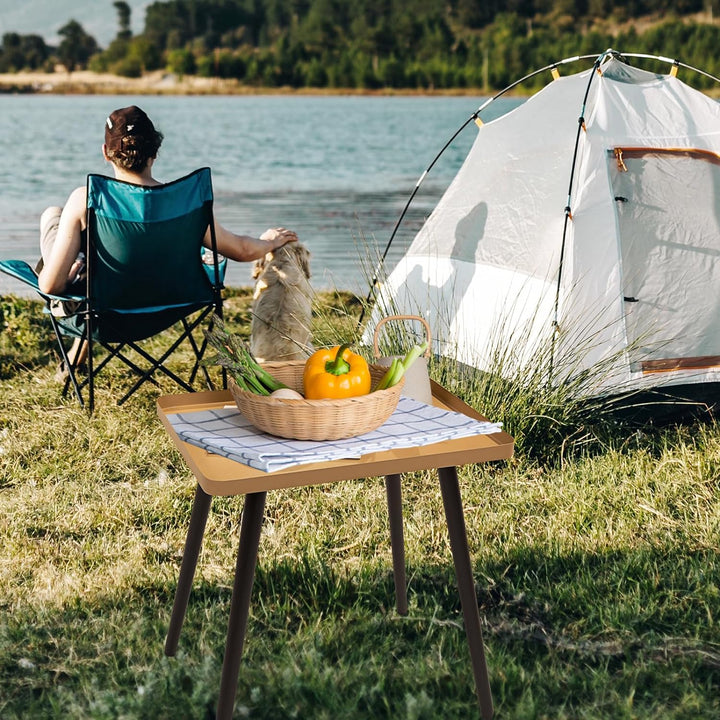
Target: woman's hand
[278, 237]
[76, 269]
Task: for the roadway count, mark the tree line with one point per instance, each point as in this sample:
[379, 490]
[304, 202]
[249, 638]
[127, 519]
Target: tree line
[371, 44]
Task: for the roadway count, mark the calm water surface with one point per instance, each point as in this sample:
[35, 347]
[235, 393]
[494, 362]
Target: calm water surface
[338, 170]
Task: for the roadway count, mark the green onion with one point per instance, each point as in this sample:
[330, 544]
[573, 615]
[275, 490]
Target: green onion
[233, 354]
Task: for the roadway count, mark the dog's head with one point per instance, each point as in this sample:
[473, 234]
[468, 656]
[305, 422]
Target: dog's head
[289, 256]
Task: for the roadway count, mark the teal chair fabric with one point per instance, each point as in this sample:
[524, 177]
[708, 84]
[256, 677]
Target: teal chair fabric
[145, 274]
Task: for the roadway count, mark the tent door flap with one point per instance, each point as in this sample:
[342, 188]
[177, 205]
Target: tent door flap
[668, 217]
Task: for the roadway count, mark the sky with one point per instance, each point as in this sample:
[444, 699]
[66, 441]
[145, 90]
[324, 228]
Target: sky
[99, 18]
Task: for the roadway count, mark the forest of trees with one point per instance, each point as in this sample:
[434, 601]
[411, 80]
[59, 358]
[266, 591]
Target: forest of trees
[370, 44]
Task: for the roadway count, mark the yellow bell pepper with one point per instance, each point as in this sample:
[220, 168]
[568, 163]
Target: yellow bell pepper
[336, 372]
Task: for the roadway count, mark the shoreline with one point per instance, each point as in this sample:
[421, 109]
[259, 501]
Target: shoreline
[159, 82]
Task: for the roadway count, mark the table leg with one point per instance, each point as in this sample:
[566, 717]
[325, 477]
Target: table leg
[450, 490]
[252, 518]
[193, 541]
[397, 541]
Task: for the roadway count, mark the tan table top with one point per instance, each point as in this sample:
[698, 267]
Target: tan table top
[218, 475]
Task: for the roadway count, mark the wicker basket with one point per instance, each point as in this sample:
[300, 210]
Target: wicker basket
[315, 419]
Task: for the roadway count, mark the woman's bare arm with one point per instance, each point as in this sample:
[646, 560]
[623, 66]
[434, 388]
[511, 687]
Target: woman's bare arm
[245, 248]
[54, 276]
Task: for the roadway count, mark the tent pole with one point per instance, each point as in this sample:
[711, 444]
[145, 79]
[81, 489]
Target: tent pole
[568, 208]
[374, 281]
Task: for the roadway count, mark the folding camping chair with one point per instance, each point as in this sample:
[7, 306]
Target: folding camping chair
[145, 273]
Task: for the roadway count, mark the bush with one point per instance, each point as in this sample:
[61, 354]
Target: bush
[181, 62]
[127, 67]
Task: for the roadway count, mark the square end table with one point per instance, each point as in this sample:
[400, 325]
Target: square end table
[217, 475]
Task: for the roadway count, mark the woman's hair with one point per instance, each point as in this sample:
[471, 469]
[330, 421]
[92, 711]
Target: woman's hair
[131, 139]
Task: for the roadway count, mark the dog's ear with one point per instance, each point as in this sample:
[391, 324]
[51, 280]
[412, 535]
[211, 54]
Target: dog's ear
[304, 260]
[260, 264]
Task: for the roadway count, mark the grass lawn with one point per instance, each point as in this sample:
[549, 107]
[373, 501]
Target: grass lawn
[596, 564]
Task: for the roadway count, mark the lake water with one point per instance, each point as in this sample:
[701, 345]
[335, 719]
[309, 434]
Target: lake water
[338, 170]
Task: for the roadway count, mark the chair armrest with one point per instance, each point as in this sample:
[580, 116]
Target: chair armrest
[20, 270]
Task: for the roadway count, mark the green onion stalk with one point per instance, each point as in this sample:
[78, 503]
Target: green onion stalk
[232, 353]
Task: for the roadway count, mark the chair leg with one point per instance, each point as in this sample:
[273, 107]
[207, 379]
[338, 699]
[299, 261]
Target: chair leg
[240, 603]
[397, 541]
[116, 350]
[193, 541]
[156, 364]
[71, 378]
[450, 490]
[199, 354]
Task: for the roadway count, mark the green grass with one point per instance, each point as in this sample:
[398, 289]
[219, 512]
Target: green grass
[597, 575]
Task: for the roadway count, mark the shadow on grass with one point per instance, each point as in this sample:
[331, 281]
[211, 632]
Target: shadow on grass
[568, 635]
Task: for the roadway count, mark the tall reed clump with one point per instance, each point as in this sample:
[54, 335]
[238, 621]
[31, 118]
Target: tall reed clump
[543, 400]
[547, 400]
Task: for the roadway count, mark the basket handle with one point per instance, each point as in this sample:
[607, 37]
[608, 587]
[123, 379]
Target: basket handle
[382, 321]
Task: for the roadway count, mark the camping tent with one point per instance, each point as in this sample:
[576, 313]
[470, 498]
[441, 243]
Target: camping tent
[589, 216]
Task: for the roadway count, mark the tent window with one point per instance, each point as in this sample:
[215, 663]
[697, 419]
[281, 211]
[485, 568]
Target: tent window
[668, 216]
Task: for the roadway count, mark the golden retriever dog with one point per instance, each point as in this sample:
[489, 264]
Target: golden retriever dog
[282, 305]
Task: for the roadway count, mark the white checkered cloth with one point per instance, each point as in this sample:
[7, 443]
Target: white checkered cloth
[226, 432]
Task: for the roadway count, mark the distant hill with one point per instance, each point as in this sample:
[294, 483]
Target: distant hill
[46, 17]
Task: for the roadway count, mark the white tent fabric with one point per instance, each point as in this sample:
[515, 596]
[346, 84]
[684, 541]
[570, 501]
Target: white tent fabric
[637, 279]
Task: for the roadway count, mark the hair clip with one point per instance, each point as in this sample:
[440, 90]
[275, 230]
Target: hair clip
[109, 123]
[130, 127]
